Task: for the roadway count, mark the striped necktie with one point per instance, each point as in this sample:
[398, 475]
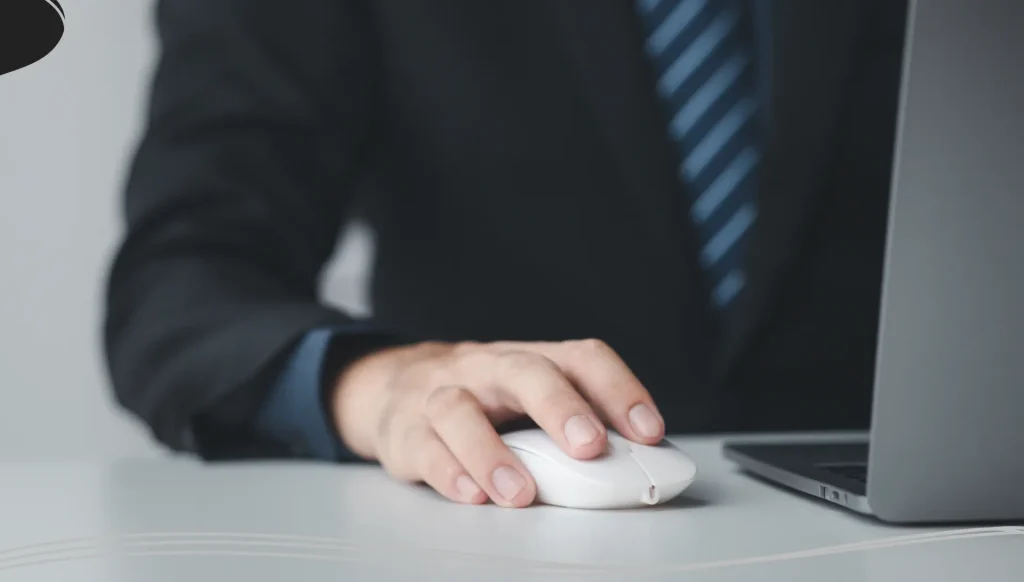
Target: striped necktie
[702, 56]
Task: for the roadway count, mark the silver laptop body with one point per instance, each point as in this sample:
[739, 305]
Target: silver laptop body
[947, 434]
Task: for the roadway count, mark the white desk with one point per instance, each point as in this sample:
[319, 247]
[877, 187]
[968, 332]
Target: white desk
[353, 524]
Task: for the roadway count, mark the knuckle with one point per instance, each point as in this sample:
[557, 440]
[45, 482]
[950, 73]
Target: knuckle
[500, 346]
[466, 347]
[430, 349]
[589, 347]
[446, 399]
[429, 375]
[517, 363]
[472, 363]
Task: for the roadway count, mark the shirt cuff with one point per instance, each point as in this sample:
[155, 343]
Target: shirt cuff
[293, 412]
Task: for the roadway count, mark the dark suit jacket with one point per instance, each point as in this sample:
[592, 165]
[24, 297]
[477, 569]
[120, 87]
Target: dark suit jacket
[514, 161]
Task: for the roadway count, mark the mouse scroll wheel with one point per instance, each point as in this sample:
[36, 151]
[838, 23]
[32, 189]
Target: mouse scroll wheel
[651, 498]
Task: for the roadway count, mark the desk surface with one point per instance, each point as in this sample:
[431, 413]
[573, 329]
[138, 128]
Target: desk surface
[177, 519]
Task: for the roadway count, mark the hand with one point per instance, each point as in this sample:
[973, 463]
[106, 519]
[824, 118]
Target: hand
[428, 412]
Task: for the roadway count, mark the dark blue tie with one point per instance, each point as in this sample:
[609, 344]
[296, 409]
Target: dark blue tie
[706, 78]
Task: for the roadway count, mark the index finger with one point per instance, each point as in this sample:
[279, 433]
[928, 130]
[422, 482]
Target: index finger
[539, 387]
[604, 379]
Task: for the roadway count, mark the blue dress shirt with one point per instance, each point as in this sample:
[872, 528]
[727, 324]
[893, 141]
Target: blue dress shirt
[294, 411]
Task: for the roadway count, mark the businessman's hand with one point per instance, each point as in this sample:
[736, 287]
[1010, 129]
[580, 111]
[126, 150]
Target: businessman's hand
[428, 412]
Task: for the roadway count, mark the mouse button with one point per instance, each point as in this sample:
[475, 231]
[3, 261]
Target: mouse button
[664, 464]
[618, 442]
[534, 441]
[541, 468]
[537, 442]
[606, 474]
[616, 466]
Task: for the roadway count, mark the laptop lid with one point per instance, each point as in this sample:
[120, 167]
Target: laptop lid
[947, 436]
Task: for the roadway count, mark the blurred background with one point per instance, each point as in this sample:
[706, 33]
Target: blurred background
[68, 126]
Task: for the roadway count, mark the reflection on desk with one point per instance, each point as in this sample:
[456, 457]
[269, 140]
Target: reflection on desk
[179, 519]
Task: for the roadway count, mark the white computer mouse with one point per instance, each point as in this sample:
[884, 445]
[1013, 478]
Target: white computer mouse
[626, 475]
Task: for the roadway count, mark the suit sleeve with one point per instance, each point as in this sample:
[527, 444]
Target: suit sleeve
[257, 129]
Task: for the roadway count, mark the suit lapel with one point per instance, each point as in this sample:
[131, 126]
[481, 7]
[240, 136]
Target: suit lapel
[812, 51]
[605, 45]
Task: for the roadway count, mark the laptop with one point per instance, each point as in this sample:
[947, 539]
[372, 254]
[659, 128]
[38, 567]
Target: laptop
[946, 442]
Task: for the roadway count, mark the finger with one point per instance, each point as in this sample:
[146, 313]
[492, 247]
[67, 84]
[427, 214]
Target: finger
[457, 418]
[551, 400]
[605, 380]
[418, 454]
[439, 468]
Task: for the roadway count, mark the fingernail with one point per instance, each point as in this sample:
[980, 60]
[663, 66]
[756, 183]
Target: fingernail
[580, 431]
[468, 488]
[508, 482]
[644, 421]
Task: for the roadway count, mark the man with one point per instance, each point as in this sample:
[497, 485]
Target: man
[660, 216]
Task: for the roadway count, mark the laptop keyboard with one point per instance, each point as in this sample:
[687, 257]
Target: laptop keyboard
[854, 471]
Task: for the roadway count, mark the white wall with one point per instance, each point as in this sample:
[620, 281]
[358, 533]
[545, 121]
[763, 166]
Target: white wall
[67, 124]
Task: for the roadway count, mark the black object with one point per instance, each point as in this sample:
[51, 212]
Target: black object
[513, 163]
[29, 30]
